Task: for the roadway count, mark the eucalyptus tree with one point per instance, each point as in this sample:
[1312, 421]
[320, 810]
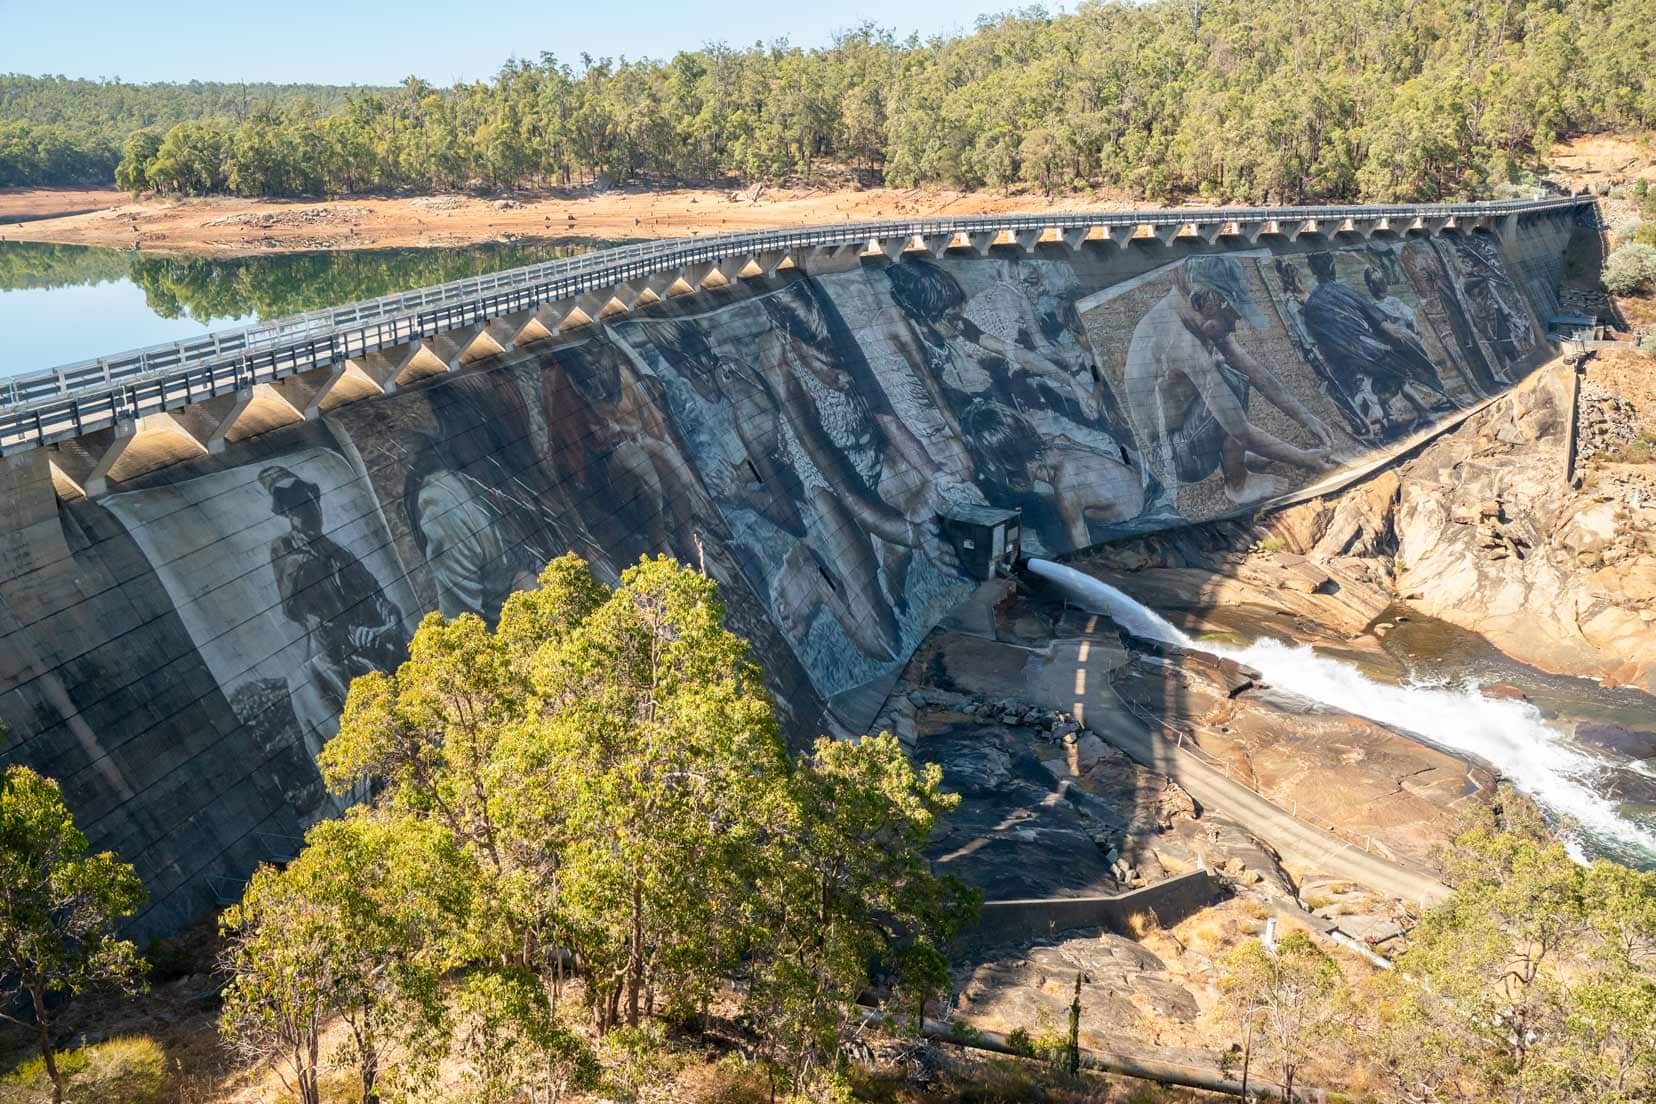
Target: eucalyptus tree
[59, 904]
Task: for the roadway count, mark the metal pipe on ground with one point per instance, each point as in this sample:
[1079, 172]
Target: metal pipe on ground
[1145, 1069]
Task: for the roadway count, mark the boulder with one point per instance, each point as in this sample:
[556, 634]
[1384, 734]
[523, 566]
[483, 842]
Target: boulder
[1633, 743]
[946, 699]
[1176, 802]
[1089, 749]
[975, 767]
[1503, 691]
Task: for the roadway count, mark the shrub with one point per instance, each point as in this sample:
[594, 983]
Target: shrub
[126, 1070]
[1630, 270]
[1050, 1044]
[728, 1081]
[637, 1058]
[1141, 924]
[1640, 450]
[1018, 1042]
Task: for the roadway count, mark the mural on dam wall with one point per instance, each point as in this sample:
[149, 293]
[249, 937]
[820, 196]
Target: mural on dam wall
[181, 653]
[283, 573]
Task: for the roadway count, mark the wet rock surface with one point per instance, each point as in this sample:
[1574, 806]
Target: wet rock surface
[1632, 743]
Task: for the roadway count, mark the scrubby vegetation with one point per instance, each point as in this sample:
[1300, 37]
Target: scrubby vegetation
[1535, 982]
[1630, 270]
[1246, 100]
[128, 1070]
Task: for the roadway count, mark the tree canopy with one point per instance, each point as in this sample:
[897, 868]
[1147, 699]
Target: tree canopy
[1225, 99]
[59, 904]
[596, 792]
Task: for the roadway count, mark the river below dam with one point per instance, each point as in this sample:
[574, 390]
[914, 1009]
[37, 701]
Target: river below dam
[65, 303]
[1586, 753]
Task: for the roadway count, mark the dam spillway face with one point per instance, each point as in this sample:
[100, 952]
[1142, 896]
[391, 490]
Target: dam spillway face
[176, 651]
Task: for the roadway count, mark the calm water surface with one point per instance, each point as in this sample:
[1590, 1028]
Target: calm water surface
[64, 303]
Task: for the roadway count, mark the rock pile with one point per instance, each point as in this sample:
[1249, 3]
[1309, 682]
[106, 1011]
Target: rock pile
[1584, 301]
[1606, 424]
[1050, 808]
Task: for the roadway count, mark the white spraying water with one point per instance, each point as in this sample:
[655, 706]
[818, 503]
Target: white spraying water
[1511, 735]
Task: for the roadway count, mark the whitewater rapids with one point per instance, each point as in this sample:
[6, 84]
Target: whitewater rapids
[1510, 735]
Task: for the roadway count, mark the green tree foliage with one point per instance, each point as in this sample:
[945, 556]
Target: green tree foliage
[138, 153]
[46, 153]
[58, 131]
[850, 887]
[1534, 982]
[360, 926]
[1630, 270]
[1244, 100]
[1287, 1000]
[605, 777]
[191, 160]
[58, 906]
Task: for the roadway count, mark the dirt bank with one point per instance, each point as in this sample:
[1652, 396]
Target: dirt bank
[28, 204]
[225, 227]
[1602, 161]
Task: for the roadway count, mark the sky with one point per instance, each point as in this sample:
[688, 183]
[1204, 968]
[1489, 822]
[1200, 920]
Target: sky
[353, 42]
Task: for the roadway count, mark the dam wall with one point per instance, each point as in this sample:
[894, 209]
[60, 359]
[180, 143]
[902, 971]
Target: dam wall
[177, 650]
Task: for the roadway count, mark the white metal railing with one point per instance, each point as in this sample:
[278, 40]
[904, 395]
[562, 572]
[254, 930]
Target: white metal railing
[39, 407]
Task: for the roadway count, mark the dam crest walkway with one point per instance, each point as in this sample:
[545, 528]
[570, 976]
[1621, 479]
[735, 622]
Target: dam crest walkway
[87, 414]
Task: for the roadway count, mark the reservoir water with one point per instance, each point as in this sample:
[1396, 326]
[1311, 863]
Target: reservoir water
[64, 303]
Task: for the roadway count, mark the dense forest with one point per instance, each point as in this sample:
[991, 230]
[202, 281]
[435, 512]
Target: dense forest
[56, 131]
[1225, 99]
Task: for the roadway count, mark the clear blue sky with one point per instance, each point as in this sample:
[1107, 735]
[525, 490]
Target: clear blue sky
[349, 41]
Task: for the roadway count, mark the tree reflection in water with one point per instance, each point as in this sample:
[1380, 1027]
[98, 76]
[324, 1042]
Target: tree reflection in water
[206, 289]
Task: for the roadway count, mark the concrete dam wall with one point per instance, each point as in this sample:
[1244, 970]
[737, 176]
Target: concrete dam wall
[177, 650]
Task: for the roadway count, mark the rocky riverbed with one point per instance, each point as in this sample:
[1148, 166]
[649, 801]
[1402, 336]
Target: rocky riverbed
[1489, 543]
[1488, 558]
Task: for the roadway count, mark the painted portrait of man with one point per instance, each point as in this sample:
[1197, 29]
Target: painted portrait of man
[350, 626]
[1189, 382]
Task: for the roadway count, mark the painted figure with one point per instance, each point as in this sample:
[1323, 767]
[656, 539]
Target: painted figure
[480, 508]
[1189, 383]
[996, 346]
[1062, 486]
[1491, 299]
[842, 439]
[1372, 358]
[1424, 270]
[618, 458]
[350, 626]
[476, 556]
